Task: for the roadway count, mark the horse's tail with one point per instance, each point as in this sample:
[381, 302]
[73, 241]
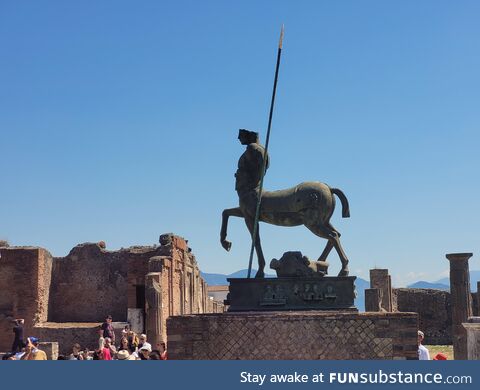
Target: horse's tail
[344, 200]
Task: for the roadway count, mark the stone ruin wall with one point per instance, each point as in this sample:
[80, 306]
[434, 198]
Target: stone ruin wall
[25, 275]
[89, 283]
[308, 335]
[433, 306]
[434, 310]
[183, 290]
[65, 298]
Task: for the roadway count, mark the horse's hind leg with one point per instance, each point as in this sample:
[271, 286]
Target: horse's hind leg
[326, 251]
[338, 247]
[336, 243]
[332, 236]
[258, 247]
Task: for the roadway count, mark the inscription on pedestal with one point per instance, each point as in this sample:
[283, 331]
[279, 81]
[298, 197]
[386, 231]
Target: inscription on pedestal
[274, 296]
[333, 293]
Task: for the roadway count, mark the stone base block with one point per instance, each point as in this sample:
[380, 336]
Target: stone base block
[135, 319]
[294, 293]
[286, 335]
[473, 338]
[50, 349]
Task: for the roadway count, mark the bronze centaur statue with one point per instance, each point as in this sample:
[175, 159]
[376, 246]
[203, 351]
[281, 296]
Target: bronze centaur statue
[309, 203]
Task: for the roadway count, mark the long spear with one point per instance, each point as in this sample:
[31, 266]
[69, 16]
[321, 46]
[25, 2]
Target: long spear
[264, 166]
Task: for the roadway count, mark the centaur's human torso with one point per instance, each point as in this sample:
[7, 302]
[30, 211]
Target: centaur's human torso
[248, 177]
[250, 163]
[282, 207]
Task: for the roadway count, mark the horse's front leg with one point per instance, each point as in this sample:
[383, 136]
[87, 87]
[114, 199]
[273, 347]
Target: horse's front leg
[258, 248]
[235, 212]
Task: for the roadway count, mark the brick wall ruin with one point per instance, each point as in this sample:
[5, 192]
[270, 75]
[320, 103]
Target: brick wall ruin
[25, 275]
[57, 296]
[434, 311]
[89, 283]
[433, 306]
[309, 335]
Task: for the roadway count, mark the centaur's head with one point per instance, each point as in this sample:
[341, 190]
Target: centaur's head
[247, 137]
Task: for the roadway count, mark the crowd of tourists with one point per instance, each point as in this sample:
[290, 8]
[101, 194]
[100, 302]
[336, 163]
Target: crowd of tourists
[131, 346]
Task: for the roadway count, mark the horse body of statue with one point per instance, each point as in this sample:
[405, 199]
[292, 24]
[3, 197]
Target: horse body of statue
[309, 203]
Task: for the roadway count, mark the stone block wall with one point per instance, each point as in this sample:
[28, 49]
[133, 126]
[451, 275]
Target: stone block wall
[214, 306]
[293, 335]
[106, 280]
[434, 310]
[381, 280]
[25, 274]
[87, 284]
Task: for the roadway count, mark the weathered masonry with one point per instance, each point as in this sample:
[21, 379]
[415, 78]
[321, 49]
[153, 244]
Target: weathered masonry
[308, 335]
[64, 298]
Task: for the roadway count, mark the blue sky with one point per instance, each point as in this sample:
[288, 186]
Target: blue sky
[118, 122]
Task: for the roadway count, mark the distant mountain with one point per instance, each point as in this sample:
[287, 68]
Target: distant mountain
[244, 272]
[436, 286]
[474, 278]
[360, 286]
[214, 279]
[221, 279]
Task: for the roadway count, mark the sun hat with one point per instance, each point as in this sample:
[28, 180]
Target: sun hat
[123, 354]
[440, 356]
[146, 348]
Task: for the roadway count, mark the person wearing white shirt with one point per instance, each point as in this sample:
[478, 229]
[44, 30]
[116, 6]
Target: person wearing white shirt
[144, 343]
[423, 353]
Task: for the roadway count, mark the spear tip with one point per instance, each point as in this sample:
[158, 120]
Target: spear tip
[280, 42]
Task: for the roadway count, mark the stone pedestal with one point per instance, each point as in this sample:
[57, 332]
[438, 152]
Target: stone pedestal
[373, 299]
[379, 278]
[473, 338]
[307, 335]
[293, 293]
[461, 301]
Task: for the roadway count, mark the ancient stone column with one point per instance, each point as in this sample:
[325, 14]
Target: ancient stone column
[473, 338]
[478, 298]
[153, 308]
[373, 299]
[461, 301]
[379, 278]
